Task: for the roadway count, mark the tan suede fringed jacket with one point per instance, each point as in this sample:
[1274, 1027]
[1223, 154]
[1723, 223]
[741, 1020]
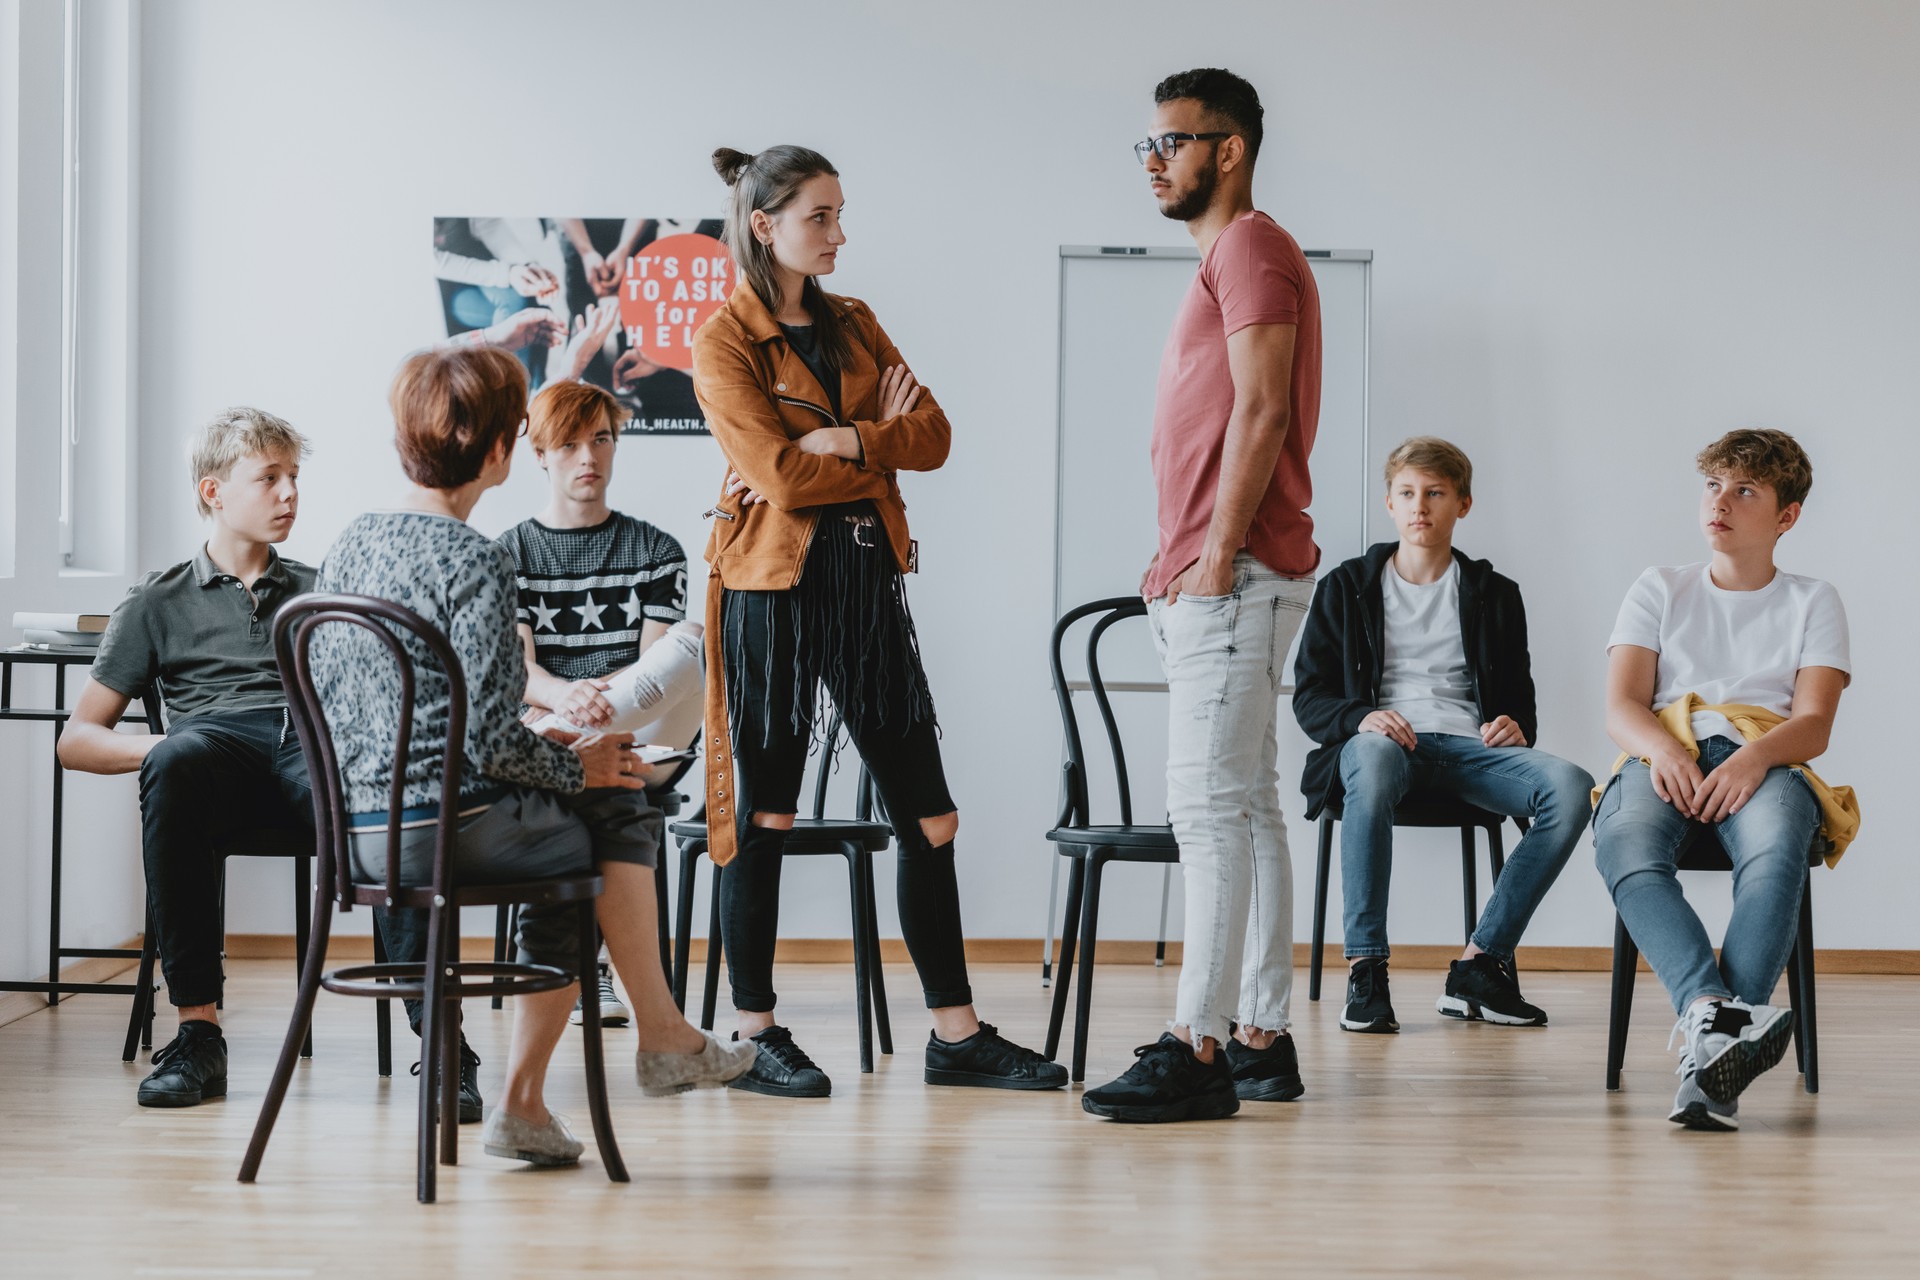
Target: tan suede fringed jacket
[760, 398]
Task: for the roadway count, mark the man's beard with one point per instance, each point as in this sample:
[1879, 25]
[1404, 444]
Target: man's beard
[1195, 202]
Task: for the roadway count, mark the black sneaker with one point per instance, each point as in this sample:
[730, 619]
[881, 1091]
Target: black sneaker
[1368, 1007]
[470, 1101]
[1484, 989]
[783, 1069]
[988, 1060]
[1166, 1082]
[189, 1069]
[1271, 1074]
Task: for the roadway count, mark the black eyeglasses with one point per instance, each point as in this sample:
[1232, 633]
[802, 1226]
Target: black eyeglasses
[1167, 145]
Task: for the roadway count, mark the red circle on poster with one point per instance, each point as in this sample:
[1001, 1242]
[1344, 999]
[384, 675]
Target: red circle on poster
[669, 290]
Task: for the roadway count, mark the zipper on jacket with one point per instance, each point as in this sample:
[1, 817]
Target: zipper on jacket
[715, 513]
[808, 404]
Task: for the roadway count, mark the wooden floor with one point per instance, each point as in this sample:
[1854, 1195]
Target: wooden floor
[1449, 1150]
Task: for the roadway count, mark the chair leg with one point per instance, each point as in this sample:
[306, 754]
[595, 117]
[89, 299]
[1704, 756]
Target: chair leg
[1166, 895]
[220, 1001]
[859, 866]
[663, 914]
[1063, 971]
[591, 1050]
[690, 851]
[1046, 942]
[1805, 1032]
[1469, 882]
[290, 1048]
[302, 927]
[141, 1015]
[382, 1013]
[449, 1050]
[1626, 955]
[712, 995]
[502, 927]
[876, 975]
[1089, 928]
[1497, 863]
[433, 1010]
[1321, 869]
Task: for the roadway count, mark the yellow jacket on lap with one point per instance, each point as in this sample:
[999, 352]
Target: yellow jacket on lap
[1839, 807]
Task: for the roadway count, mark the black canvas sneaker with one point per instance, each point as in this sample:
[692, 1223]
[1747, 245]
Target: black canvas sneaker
[1368, 1006]
[782, 1069]
[189, 1069]
[1483, 989]
[471, 1105]
[1271, 1074]
[988, 1060]
[1166, 1082]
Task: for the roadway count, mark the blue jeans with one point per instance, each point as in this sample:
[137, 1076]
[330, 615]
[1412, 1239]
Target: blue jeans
[1638, 839]
[1517, 781]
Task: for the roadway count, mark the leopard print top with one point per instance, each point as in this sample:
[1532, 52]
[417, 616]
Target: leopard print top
[462, 582]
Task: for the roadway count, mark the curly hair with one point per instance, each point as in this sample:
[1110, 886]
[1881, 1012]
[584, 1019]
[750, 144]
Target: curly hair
[1764, 456]
[1224, 95]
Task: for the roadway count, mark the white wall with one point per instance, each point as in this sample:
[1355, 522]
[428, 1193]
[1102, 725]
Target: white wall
[1604, 234]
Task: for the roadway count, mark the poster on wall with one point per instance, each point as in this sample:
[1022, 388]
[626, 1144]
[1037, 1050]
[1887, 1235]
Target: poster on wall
[612, 301]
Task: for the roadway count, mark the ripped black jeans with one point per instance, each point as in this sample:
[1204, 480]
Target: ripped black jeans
[845, 626]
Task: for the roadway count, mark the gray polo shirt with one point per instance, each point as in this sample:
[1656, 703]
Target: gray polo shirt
[195, 629]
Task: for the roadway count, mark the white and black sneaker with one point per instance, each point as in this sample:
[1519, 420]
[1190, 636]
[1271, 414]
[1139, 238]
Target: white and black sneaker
[1368, 1007]
[1483, 989]
[1731, 1042]
[1693, 1109]
[612, 1012]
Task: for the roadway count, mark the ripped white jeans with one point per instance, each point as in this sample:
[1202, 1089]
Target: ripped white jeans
[1224, 657]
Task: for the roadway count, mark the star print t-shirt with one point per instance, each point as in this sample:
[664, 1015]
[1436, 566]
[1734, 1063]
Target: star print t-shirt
[586, 592]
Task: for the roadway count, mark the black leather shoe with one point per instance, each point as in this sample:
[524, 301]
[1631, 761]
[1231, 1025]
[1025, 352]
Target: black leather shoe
[988, 1060]
[1271, 1074]
[1166, 1082]
[189, 1069]
[782, 1069]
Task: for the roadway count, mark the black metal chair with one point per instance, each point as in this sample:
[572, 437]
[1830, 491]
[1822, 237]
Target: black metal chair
[289, 843]
[1431, 811]
[1702, 852]
[857, 840]
[1075, 836]
[443, 980]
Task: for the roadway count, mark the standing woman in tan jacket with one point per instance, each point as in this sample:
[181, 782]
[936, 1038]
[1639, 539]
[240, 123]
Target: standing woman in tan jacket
[816, 411]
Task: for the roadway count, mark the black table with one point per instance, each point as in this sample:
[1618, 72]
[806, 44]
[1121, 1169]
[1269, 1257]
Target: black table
[60, 660]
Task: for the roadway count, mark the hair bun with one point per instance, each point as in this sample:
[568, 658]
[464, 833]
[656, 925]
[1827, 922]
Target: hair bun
[730, 164]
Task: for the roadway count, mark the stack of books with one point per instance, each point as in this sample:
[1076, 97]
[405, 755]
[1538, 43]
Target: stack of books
[62, 631]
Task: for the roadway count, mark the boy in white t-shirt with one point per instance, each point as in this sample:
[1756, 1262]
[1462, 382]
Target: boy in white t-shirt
[1771, 649]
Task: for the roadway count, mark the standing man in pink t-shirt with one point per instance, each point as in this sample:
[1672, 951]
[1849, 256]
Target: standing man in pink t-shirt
[1234, 419]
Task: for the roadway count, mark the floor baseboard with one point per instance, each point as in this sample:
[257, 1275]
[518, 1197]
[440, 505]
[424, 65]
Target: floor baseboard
[263, 946]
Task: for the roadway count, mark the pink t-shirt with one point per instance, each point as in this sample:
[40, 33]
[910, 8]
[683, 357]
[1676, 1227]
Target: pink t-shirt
[1254, 274]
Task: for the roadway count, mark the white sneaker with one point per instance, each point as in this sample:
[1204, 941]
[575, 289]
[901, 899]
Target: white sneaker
[1693, 1109]
[612, 1012]
[511, 1137]
[718, 1062]
[1731, 1042]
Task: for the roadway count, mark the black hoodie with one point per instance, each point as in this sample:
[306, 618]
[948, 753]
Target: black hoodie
[1336, 678]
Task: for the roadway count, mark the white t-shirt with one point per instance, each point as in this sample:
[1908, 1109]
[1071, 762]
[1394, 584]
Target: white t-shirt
[1425, 675]
[1732, 646]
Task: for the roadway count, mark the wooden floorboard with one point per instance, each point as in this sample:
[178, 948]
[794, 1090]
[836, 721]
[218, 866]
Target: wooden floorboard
[1449, 1150]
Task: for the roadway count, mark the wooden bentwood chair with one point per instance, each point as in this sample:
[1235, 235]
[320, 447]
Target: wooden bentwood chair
[1075, 836]
[444, 980]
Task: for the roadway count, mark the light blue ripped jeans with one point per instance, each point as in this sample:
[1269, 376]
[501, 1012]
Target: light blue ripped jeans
[1225, 657]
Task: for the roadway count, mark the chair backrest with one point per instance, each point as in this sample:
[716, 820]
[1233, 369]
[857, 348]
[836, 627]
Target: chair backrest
[293, 630]
[1076, 807]
[863, 785]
